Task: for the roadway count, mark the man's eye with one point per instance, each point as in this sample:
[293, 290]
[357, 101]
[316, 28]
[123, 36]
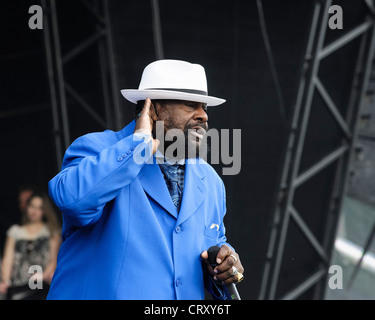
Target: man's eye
[195, 106]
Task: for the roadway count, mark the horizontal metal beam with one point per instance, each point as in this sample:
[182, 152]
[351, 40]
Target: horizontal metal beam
[85, 105]
[351, 35]
[326, 161]
[367, 136]
[305, 285]
[83, 46]
[23, 111]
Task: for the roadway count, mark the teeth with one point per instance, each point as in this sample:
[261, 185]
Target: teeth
[196, 134]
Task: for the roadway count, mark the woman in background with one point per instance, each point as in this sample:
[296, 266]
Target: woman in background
[35, 242]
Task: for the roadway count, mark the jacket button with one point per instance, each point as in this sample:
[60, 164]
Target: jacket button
[178, 283]
[120, 158]
[178, 229]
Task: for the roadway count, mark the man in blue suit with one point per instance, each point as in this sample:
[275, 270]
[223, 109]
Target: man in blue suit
[141, 229]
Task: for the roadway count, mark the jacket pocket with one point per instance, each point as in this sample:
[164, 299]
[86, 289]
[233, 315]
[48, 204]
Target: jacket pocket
[211, 233]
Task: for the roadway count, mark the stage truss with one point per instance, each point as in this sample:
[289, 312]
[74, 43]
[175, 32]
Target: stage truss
[291, 179]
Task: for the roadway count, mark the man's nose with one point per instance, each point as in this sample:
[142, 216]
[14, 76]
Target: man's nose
[201, 115]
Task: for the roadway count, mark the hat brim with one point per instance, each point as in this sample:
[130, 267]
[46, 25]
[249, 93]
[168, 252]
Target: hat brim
[134, 96]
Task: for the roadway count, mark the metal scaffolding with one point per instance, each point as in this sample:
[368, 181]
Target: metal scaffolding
[290, 178]
[57, 61]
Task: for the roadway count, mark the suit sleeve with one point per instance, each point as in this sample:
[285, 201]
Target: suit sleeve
[222, 236]
[93, 175]
[217, 290]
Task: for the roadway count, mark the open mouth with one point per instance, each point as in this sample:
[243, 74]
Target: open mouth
[196, 134]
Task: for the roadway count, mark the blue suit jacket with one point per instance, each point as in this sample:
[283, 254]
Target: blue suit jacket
[122, 235]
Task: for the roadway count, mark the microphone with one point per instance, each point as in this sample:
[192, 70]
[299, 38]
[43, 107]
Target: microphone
[231, 288]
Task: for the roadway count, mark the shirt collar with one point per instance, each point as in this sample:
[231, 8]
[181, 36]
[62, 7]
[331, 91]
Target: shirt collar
[160, 159]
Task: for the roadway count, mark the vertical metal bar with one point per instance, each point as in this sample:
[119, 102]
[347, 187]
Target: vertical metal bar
[299, 147]
[156, 28]
[60, 74]
[104, 80]
[356, 85]
[279, 255]
[51, 84]
[112, 68]
[104, 72]
[58, 86]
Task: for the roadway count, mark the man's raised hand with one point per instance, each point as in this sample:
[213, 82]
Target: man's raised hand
[145, 122]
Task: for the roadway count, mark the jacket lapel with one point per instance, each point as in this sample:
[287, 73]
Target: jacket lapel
[151, 178]
[195, 189]
[153, 183]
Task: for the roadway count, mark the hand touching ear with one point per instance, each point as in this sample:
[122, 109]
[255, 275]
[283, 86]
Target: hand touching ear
[145, 122]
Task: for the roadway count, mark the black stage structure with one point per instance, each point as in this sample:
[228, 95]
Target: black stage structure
[289, 205]
[293, 86]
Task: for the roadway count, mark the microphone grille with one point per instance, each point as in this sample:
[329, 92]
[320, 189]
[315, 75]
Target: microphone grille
[212, 253]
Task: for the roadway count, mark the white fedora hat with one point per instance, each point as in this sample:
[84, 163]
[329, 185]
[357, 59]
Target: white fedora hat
[175, 80]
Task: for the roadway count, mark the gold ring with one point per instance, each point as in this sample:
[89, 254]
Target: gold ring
[239, 277]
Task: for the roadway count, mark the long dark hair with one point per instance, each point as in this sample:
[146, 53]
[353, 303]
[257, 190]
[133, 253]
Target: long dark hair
[49, 213]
